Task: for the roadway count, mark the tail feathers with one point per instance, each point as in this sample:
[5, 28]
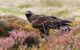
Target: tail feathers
[67, 24]
[65, 21]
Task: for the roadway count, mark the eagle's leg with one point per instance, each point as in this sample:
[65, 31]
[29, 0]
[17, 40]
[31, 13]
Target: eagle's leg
[47, 31]
[44, 31]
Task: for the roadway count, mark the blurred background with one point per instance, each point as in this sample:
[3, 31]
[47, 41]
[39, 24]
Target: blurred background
[60, 8]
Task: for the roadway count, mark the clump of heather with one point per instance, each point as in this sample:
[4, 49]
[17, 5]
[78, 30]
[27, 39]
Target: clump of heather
[4, 29]
[31, 40]
[15, 39]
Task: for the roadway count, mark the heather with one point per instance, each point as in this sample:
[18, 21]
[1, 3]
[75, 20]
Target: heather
[15, 39]
[23, 36]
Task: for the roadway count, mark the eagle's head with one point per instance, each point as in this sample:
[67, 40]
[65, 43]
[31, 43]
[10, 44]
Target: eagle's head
[28, 13]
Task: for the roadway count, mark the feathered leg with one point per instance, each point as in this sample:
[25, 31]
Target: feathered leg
[44, 31]
[47, 31]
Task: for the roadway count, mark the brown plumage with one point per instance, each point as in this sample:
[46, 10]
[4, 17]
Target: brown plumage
[44, 23]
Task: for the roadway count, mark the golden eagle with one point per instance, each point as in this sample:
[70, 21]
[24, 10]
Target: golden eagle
[44, 23]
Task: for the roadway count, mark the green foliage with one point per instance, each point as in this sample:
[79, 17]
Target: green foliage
[25, 6]
[63, 13]
[31, 41]
[52, 3]
[4, 29]
[11, 11]
[73, 48]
